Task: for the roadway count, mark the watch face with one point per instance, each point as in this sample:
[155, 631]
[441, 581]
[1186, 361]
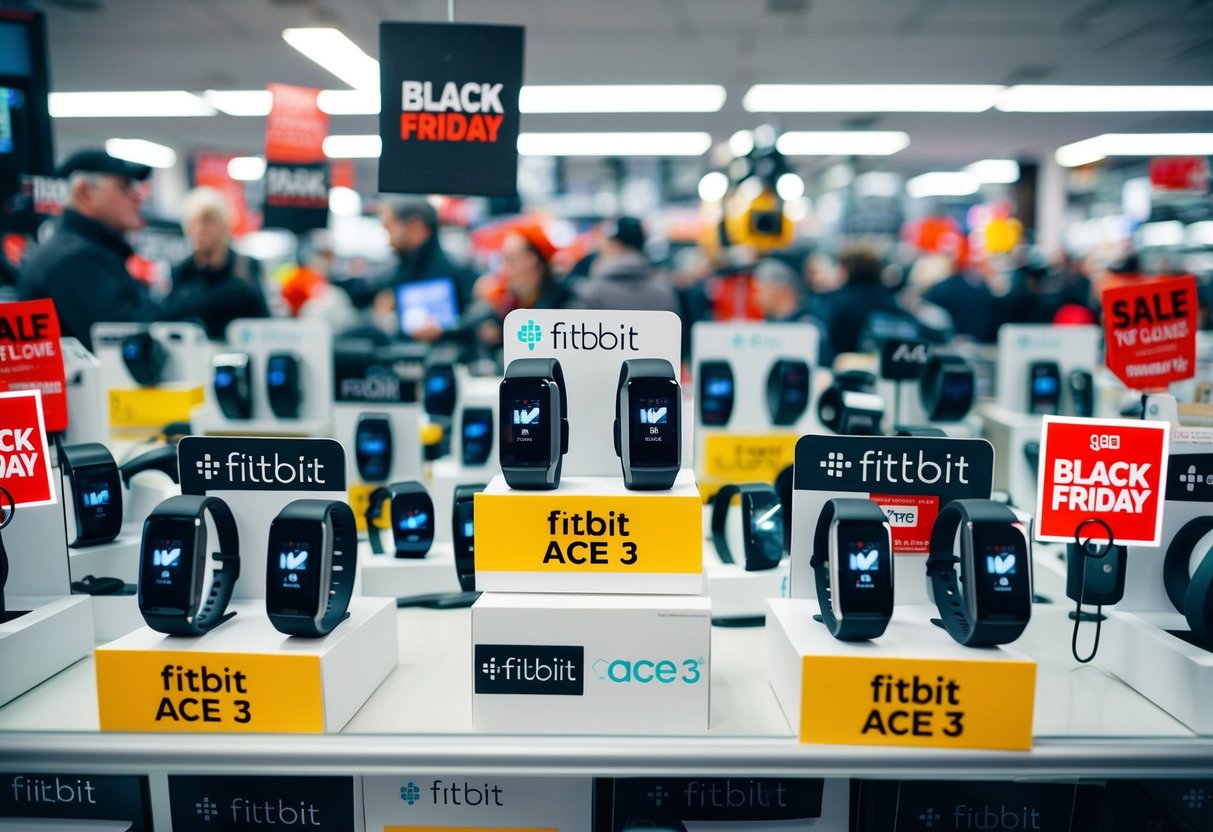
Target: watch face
[763, 530]
[1044, 388]
[1000, 584]
[413, 522]
[166, 563]
[864, 569]
[957, 387]
[715, 392]
[98, 499]
[282, 380]
[295, 558]
[654, 418]
[439, 392]
[373, 449]
[477, 431]
[232, 389]
[526, 417]
[281, 371]
[788, 391]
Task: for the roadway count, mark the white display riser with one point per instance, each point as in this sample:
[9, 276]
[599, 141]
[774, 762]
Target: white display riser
[1008, 432]
[392, 577]
[56, 632]
[736, 593]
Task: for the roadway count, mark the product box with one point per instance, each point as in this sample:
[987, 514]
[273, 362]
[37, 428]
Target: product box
[461, 803]
[591, 664]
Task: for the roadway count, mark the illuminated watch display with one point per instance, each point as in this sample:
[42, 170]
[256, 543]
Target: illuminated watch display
[144, 358]
[463, 534]
[852, 562]
[411, 512]
[282, 385]
[310, 567]
[476, 435]
[533, 419]
[232, 385]
[788, 391]
[292, 587]
[169, 579]
[761, 525]
[947, 387]
[96, 492]
[373, 447]
[715, 393]
[439, 390]
[648, 424]
[1044, 388]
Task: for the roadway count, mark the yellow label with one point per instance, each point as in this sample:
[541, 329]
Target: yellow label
[758, 458]
[165, 690]
[152, 406]
[360, 499]
[623, 534]
[856, 700]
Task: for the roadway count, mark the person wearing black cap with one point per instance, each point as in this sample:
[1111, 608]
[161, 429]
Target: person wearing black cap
[621, 277]
[82, 267]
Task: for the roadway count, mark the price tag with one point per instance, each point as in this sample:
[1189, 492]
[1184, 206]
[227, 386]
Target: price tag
[754, 458]
[152, 407]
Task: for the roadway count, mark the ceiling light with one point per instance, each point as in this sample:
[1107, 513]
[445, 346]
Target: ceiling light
[144, 104]
[635, 98]
[789, 186]
[1092, 150]
[345, 202]
[942, 183]
[246, 168]
[878, 183]
[843, 143]
[1027, 98]
[713, 186]
[353, 147]
[741, 143]
[240, 102]
[994, 171]
[349, 102]
[331, 49]
[870, 98]
[614, 144]
[142, 152]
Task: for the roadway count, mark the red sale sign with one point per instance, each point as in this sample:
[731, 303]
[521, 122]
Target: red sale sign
[31, 358]
[1109, 470]
[25, 465]
[1150, 331]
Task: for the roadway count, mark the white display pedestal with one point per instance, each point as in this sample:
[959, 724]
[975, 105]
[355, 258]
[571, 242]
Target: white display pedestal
[1008, 431]
[1049, 572]
[392, 577]
[113, 615]
[445, 476]
[736, 593]
[57, 631]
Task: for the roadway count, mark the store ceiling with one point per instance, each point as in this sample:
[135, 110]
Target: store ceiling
[237, 44]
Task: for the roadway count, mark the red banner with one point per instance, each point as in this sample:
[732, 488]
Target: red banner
[1107, 470]
[1186, 174]
[25, 467]
[296, 127]
[1150, 331]
[31, 358]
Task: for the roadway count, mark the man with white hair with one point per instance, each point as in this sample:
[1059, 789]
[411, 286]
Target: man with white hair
[82, 267]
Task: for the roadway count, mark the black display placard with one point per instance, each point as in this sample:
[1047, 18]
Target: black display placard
[211, 463]
[77, 796]
[449, 112]
[1190, 478]
[296, 197]
[537, 669]
[902, 359]
[962, 806]
[945, 468]
[665, 802]
[204, 804]
[370, 376]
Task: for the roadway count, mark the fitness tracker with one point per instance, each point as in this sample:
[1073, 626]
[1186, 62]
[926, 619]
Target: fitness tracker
[648, 424]
[476, 435]
[373, 447]
[1082, 393]
[534, 417]
[1191, 592]
[412, 518]
[145, 358]
[163, 458]
[1044, 388]
[439, 390]
[991, 602]
[309, 568]
[172, 566]
[715, 393]
[853, 564]
[8, 507]
[233, 384]
[463, 533]
[788, 391]
[850, 412]
[282, 385]
[761, 525]
[96, 492]
[947, 387]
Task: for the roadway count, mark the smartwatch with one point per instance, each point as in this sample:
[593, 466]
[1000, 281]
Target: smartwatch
[438, 388]
[788, 391]
[373, 447]
[233, 384]
[172, 566]
[1191, 592]
[162, 458]
[1082, 393]
[534, 418]
[715, 394]
[412, 518]
[144, 358]
[1044, 388]
[463, 533]
[850, 412]
[96, 492]
[761, 525]
[947, 387]
[476, 435]
[991, 602]
[853, 564]
[648, 424]
[282, 384]
[8, 507]
[310, 566]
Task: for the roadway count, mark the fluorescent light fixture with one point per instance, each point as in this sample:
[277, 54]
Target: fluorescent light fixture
[240, 102]
[1028, 98]
[353, 147]
[345, 202]
[741, 143]
[870, 98]
[614, 144]
[942, 183]
[634, 98]
[246, 168]
[878, 183]
[843, 143]
[789, 186]
[349, 102]
[142, 152]
[994, 171]
[1092, 150]
[139, 104]
[331, 49]
[713, 186]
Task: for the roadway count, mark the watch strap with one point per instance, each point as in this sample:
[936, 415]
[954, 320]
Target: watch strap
[340, 519]
[1176, 575]
[861, 627]
[1198, 601]
[643, 479]
[465, 554]
[720, 514]
[374, 507]
[406, 488]
[931, 388]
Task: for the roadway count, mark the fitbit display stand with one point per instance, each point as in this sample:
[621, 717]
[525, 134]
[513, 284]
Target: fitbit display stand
[133, 407]
[1021, 345]
[386, 576]
[480, 395]
[87, 408]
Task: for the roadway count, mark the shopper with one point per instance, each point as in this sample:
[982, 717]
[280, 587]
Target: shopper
[966, 296]
[778, 291]
[621, 277]
[82, 267]
[861, 295]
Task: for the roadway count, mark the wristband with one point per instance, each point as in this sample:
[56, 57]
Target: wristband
[96, 499]
[853, 565]
[1191, 593]
[762, 525]
[648, 424]
[411, 513]
[947, 388]
[310, 567]
[534, 416]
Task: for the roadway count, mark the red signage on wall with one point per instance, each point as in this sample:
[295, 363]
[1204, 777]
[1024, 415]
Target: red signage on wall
[1188, 174]
[296, 127]
[1150, 331]
[25, 468]
[31, 358]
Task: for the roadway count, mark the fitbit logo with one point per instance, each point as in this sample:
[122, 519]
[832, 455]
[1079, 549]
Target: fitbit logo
[208, 468]
[52, 790]
[903, 468]
[256, 468]
[216, 464]
[454, 794]
[834, 464]
[995, 819]
[411, 793]
[530, 334]
[207, 809]
[649, 671]
[544, 670]
[245, 812]
[1192, 478]
[592, 337]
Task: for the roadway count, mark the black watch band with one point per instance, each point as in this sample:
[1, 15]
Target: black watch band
[374, 507]
[465, 551]
[643, 479]
[1191, 594]
[340, 519]
[541, 368]
[941, 571]
[73, 459]
[931, 386]
[162, 458]
[720, 515]
[213, 611]
[8, 507]
[853, 627]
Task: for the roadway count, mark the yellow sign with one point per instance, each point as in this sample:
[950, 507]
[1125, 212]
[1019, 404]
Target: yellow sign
[167, 690]
[152, 407]
[942, 703]
[625, 534]
[360, 499]
[758, 458]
